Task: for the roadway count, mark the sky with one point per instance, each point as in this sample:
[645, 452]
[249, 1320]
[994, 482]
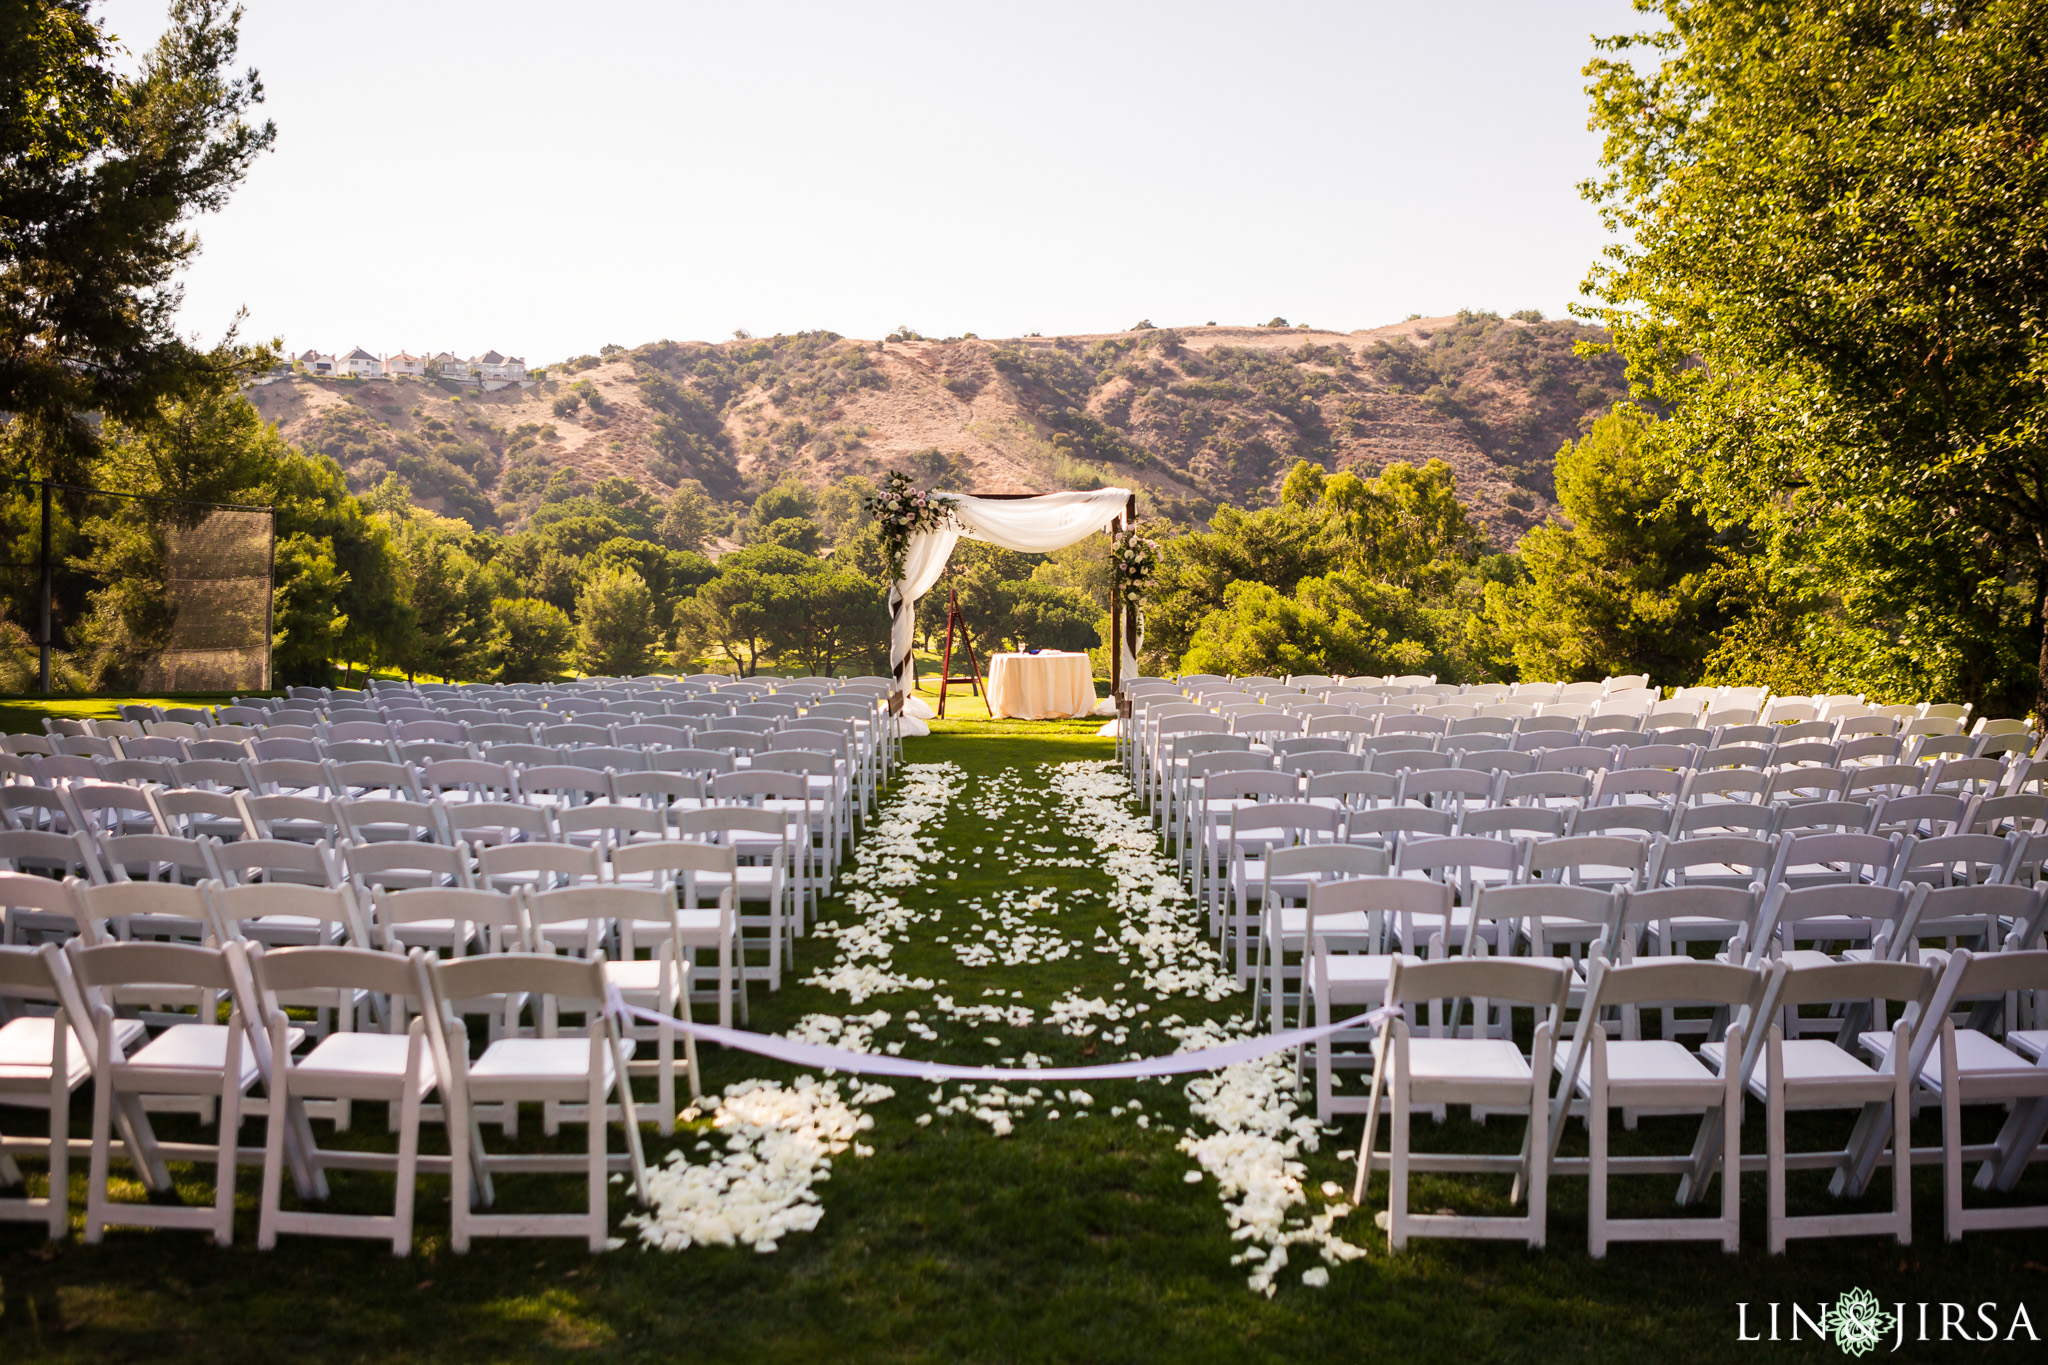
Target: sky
[543, 179]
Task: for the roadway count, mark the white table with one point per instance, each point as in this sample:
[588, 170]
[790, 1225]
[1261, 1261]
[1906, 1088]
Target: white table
[1040, 686]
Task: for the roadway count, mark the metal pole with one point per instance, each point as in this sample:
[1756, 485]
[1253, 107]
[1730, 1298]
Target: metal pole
[1116, 623]
[270, 611]
[43, 592]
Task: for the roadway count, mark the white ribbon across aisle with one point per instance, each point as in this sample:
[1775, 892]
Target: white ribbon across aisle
[878, 1064]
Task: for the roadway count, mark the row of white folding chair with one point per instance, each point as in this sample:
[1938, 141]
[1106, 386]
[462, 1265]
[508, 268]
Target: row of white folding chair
[1471, 865]
[542, 856]
[1663, 1075]
[256, 1044]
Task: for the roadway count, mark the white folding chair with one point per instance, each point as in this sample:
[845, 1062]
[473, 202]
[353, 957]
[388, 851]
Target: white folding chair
[661, 982]
[1488, 1073]
[395, 1067]
[677, 865]
[583, 1071]
[1600, 1073]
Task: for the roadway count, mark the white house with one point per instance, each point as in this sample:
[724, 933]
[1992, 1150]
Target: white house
[405, 363]
[313, 363]
[361, 364]
[491, 365]
[454, 367]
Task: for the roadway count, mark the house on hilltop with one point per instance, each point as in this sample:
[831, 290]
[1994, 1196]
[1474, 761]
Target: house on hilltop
[317, 365]
[496, 371]
[454, 368]
[360, 364]
[405, 363]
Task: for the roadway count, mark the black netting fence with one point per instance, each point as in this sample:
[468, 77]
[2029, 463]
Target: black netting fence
[143, 593]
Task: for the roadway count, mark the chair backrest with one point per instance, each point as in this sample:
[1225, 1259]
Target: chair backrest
[464, 906]
[107, 965]
[1550, 913]
[529, 974]
[1355, 788]
[1257, 783]
[699, 762]
[1870, 858]
[1570, 856]
[1841, 906]
[367, 863]
[1698, 906]
[277, 860]
[1326, 860]
[1538, 982]
[1457, 853]
[1723, 856]
[1852, 816]
[756, 785]
[1641, 822]
[175, 855]
[233, 906]
[1512, 822]
[288, 971]
[2026, 812]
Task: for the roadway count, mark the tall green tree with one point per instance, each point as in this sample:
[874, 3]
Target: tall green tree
[530, 640]
[101, 170]
[1832, 263]
[615, 627]
[1631, 584]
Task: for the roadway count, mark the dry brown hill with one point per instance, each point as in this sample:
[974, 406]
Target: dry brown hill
[1196, 416]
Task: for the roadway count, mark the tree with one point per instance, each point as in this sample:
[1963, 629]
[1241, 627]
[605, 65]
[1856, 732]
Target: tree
[307, 620]
[824, 617]
[1341, 623]
[530, 640]
[1047, 616]
[100, 169]
[1632, 584]
[687, 519]
[1403, 520]
[615, 628]
[1832, 262]
[449, 596]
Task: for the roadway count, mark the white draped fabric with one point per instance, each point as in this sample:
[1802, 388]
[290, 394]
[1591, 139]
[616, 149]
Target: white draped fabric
[1037, 525]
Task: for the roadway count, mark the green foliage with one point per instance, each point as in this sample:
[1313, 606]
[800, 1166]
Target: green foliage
[105, 158]
[615, 627]
[530, 640]
[1633, 584]
[1342, 623]
[1346, 575]
[687, 519]
[1831, 260]
[566, 404]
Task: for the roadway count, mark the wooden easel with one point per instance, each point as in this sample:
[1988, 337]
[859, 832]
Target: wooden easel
[946, 678]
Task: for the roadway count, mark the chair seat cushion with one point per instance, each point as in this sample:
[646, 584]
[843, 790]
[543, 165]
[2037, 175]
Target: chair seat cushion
[1806, 1059]
[26, 1043]
[641, 975]
[201, 1047]
[363, 1056]
[1978, 1055]
[1466, 1059]
[511, 1062]
[1645, 1061]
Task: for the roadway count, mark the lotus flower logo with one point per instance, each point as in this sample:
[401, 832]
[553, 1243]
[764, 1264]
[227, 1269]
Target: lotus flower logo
[1858, 1322]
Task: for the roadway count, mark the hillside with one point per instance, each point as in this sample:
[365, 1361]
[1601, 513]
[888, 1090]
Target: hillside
[1195, 416]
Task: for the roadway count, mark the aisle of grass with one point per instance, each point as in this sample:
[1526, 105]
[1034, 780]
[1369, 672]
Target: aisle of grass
[1069, 1240]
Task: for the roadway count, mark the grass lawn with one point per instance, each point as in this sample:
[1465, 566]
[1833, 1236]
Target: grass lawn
[1077, 1240]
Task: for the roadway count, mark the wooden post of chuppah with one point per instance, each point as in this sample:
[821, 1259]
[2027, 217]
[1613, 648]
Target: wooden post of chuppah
[1123, 616]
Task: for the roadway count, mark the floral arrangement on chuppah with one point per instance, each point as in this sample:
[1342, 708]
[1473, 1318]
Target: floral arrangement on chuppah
[901, 512]
[1133, 561]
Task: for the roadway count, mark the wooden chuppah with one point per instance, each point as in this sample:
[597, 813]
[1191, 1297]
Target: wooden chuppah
[1123, 616]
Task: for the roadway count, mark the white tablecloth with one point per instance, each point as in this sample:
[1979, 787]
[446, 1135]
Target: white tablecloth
[1040, 686]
